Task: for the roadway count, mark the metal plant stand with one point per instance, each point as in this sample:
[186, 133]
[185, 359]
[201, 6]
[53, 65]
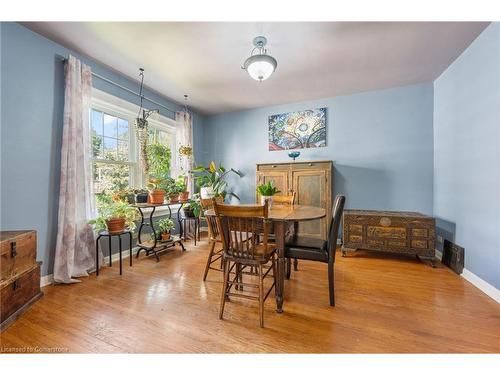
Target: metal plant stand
[105, 233]
[154, 245]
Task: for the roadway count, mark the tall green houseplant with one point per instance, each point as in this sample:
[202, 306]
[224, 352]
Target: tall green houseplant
[212, 180]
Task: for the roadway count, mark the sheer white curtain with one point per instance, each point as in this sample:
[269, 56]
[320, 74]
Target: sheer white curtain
[75, 240]
[184, 137]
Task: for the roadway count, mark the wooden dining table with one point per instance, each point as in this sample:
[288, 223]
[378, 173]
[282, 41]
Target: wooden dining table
[284, 217]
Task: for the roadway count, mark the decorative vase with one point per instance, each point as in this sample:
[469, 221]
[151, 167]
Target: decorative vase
[165, 236]
[207, 192]
[294, 154]
[115, 225]
[141, 198]
[157, 196]
[265, 198]
[184, 196]
[188, 212]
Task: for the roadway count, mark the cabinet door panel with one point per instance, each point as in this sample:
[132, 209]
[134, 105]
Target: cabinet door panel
[310, 189]
[279, 178]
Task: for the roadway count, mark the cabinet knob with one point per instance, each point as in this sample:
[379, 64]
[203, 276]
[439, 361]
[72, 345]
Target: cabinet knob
[16, 284]
[274, 166]
[310, 164]
[13, 249]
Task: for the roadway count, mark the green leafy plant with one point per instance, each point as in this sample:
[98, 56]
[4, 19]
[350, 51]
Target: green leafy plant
[109, 209]
[181, 183]
[159, 157]
[166, 225]
[156, 184]
[214, 177]
[268, 189]
[193, 205]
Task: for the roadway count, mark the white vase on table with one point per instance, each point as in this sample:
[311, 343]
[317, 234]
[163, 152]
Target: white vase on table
[269, 199]
[207, 192]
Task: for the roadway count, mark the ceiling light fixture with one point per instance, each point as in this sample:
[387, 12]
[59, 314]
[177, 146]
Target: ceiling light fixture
[260, 66]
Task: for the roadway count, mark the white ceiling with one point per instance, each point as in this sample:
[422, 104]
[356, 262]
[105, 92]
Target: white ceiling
[315, 60]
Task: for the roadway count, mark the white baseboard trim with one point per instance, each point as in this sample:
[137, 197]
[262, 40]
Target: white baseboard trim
[482, 285]
[49, 279]
[475, 280]
[46, 280]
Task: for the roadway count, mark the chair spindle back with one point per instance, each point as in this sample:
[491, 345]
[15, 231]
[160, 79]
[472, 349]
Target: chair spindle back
[213, 230]
[241, 228]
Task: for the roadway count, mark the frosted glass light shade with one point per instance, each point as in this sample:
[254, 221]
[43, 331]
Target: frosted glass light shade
[260, 67]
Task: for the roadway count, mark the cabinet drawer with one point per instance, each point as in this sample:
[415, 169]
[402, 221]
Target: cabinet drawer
[420, 232]
[273, 167]
[19, 291]
[311, 165]
[386, 232]
[18, 253]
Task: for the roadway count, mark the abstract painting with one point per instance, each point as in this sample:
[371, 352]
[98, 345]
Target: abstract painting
[294, 130]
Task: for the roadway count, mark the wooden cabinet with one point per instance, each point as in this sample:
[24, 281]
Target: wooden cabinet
[389, 231]
[19, 274]
[312, 184]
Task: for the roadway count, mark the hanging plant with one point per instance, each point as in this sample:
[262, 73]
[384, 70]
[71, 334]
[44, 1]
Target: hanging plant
[159, 157]
[141, 128]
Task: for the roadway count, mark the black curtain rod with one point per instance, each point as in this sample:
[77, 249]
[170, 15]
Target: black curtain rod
[128, 90]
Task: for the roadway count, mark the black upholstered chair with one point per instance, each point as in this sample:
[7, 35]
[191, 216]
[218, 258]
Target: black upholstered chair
[308, 248]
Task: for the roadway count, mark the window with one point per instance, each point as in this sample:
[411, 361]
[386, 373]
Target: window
[115, 162]
[112, 163]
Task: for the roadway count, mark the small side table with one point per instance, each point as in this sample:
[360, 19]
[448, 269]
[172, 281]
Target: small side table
[186, 227]
[105, 233]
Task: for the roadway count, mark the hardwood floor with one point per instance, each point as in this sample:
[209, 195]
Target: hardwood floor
[383, 305]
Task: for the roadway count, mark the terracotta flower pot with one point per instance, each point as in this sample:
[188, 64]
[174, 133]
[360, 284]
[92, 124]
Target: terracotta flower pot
[184, 196]
[174, 198]
[115, 225]
[165, 236]
[157, 196]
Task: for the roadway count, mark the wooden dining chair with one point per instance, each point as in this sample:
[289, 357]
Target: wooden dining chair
[214, 237]
[245, 231]
[309, 248]
[284, 200]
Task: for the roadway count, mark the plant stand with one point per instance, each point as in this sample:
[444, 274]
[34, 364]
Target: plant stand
[186, 227]
[105, 233]
[155, 246]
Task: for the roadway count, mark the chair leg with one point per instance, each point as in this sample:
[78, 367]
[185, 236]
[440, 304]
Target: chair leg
[261, 296]
[331, 283]
[209, 260]
[275, 275]
[295, 264]
[288, 268]
[224, 288]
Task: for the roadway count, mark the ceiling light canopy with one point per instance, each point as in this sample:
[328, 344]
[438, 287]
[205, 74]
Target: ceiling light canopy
[260, 65]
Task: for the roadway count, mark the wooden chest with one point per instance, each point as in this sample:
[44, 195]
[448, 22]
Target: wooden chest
[409, 233]
[19, 274]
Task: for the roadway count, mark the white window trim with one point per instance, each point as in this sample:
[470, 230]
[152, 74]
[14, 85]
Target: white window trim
[121, 108]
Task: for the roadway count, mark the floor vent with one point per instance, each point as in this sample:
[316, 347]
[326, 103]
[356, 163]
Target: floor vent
[453, 256]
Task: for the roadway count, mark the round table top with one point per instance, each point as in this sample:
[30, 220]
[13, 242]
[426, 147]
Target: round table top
[297, 212]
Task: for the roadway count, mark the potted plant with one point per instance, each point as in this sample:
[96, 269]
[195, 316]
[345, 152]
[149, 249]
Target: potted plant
[193, 207]
[141, 195]
[114, 216]
[156, 194]
[184, 194]
[159, 157]
[165, 226]
[266, 192]
[172, 190]
[212, 180]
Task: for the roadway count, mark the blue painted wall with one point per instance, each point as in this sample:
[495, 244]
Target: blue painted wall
[381, 143]
[32, 100]
[467, 154]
